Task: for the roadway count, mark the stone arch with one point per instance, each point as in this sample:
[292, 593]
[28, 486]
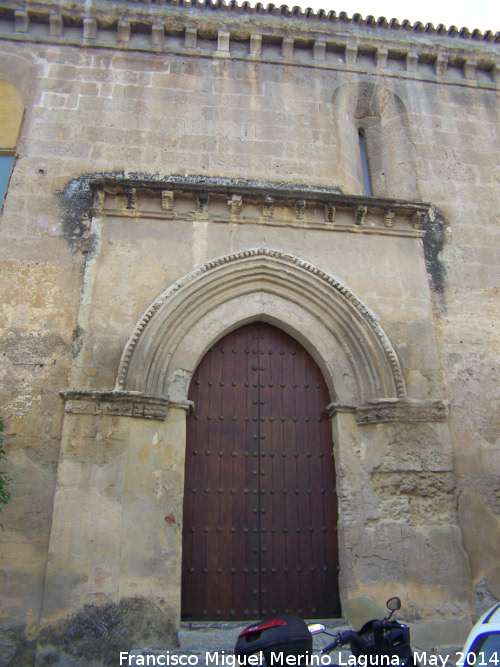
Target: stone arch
[339, 331]
[20, 71]
[382, 117]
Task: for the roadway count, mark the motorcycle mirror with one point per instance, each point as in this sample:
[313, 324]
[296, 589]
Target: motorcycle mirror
[316, 628]
[393, 604]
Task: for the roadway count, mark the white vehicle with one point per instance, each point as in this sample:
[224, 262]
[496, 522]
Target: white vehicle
[482, 648]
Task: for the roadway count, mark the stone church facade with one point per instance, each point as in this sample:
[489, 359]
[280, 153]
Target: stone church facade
[250, 307]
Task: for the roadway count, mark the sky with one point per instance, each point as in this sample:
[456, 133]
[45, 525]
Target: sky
[482, 14]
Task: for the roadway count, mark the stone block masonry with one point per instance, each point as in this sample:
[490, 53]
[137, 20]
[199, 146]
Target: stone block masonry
[182, 171]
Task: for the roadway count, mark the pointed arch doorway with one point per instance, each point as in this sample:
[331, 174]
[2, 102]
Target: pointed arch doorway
[260, 506]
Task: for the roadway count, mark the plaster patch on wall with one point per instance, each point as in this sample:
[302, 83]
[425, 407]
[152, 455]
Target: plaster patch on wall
[418, 499]
[179, 384]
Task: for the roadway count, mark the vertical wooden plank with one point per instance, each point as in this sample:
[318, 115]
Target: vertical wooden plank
[242, 403]
[267, 564]
[274, 580]
[210, 497]
[225, 497]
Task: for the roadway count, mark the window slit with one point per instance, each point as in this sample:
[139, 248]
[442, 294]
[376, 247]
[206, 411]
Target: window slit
[364, 163]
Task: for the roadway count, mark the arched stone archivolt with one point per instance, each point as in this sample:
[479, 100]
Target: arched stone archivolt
[344, 337]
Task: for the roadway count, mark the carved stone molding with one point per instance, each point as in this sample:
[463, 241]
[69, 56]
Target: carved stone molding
[389, 410]
[186, 405]
[117, 403]
[268, 207]
[236, 205]
[360, 217]
[330, 212]
[148, 360]
[203, 198]
[167, 200]
[336, 408]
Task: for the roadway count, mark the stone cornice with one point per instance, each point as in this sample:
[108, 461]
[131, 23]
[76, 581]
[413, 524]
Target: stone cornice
[388, 410]
[265, 34]
[228, 201]
[120, 404]
[241, 9]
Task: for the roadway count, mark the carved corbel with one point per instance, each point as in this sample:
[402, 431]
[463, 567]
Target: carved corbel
[319, 50]
[99, 198]
[287, 48]
[56, 25]
[300, 207]
[351, 54]
[89, 28]
[411, 61]
[236, 203]
[255, 45]
[131, 199]
[495, 73]
[268, 207]
[441, 64]
[360, 216]
[223, 38]
[190, 38]
[381, 57]
[418, 220]
[157, 35]
[167, 200]
[389, 218]
[21, 21]
[470, 69]
[123, 33]
[203, 205]
[330, 212]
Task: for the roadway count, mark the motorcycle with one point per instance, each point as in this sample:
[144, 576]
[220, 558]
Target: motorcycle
[287, 639]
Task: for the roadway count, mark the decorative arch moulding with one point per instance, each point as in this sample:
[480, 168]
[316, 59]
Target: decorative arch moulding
[246, 202]
[343, 334]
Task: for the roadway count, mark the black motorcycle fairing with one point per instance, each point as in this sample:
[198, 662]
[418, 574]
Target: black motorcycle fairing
[384, 637]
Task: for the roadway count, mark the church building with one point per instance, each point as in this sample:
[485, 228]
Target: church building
[250, 316]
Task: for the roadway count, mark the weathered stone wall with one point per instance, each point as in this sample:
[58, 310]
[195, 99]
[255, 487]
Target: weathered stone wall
[72, 293]
[119, 553]
[467, 304]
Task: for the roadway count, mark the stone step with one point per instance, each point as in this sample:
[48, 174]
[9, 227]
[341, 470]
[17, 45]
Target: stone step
[211, 644]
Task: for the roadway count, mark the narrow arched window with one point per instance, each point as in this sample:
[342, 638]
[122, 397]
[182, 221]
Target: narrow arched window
[364, 163]
[11, 116]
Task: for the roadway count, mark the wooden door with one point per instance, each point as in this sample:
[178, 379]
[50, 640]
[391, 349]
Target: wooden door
[260, 508]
